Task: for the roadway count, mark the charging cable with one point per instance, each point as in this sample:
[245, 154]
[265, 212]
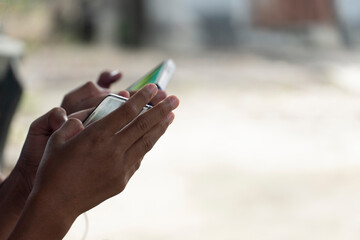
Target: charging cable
[86, 226]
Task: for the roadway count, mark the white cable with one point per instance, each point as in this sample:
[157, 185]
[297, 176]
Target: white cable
[86, 226]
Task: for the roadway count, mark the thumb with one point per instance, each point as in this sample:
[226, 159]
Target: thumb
[107, 78]
[69, 129]
[48, 123]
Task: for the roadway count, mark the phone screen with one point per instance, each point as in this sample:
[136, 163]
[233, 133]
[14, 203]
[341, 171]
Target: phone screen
[109, 104]
[150, 78]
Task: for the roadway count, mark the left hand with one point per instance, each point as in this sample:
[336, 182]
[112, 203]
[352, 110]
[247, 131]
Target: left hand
[90, 94]
[14, 191]
[39, 133]
[78, 100]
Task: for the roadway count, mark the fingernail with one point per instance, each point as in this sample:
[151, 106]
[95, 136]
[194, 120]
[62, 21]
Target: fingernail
[170, 117]
[174, 101]
[60, 122]
[115, 72]
[151, 88]
[124, 93]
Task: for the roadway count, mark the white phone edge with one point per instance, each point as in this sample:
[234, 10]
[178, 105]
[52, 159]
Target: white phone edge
[121, 100]
[166, 73]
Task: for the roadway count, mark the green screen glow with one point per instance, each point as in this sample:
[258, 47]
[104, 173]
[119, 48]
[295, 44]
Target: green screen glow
[150, 78]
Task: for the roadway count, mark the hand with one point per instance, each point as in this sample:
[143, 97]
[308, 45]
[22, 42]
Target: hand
[90, 94]
[16, 188]
[83, 167]
[14, 191]
[35, 143]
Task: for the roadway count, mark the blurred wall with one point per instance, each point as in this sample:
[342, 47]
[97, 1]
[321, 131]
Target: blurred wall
[349, 20]
[349, 11]
[192, 24]
[186, 24]
[230, 23]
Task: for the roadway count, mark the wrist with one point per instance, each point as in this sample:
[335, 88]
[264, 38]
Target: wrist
[51, 205]
[13, 193]
[42, 219]
[13, 196]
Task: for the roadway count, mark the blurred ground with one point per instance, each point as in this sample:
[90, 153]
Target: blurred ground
[264, 146]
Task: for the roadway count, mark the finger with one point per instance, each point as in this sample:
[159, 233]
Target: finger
[146, 121]
[161, 95]
[57, 118]
[124, 93]
[107, 78]
[128, 111]
[92, 102]
[143, 145]
[116, 75]
[132, 93]
[69, 129]
[103, 79]
[48, 123]
[73, 100]
[81, 115]
[86, 90]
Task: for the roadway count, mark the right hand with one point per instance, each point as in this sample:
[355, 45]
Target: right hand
[83, 167]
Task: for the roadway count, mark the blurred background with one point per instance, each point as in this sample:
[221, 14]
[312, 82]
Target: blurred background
[266, 141]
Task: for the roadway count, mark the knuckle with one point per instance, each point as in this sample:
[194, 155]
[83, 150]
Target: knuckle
[57, 111]
[163, 111]
[55, 137]
[91, 88]
[66, 100]
[147, 143]
[144, 97]
[137, 165]
[90, 85]
[45, 118]
[162, 128]
[104, 75]
[75, 124]
[142, 124]
[110, 155]
[66, 97]
[121, 184]
[131, 111]
[98, 140]
[33, 125]
[74, 121]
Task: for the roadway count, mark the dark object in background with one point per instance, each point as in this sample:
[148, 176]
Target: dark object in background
[10, 93]
[86, 22]
[218, 31]
[132, 23]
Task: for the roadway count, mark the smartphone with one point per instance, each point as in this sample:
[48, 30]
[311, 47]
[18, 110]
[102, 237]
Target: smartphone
[106, 106]
[160, 75]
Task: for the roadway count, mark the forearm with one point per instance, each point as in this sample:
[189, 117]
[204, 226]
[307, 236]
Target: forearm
[2, 178]
[41, 219]
[13, 195]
